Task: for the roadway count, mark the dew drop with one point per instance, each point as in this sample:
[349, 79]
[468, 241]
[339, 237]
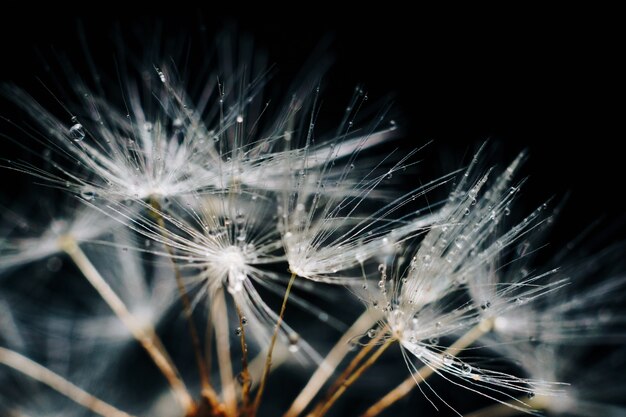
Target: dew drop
[88, 195]
[77, 133]
[294, 339]
[467, 211]
[238, 331]
[371, 333]
[466, 369]
[239, 119]
[161, 75]
[448, 359]
[381, 268]
[485, 305]
[433, 340]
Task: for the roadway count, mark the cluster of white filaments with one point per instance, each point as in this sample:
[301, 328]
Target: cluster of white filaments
[208, 201]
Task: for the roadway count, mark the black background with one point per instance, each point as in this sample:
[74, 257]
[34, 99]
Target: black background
[544, 80]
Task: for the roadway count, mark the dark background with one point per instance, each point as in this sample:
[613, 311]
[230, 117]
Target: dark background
[546, 81]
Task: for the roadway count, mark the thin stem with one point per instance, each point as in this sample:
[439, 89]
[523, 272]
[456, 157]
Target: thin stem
[222, 343]
[184, 297]
[142, 332]
[329, 365]
[423, 373]
[268, 360]
[245, 374]
[345, 374]
[208, 342]
[348, 382]
[61, 385]
[208, 393]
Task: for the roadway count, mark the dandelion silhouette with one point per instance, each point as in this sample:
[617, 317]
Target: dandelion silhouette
[201, 219]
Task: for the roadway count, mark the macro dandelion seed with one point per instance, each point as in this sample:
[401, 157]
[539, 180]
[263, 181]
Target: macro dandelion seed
[215, 244]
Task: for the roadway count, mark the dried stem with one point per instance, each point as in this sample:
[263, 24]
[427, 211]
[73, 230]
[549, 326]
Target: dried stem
[345, 374]
[184, 297]
[245, 374]
[61, 385]
[208, 342]
[142, 332]
[330, 363]
[222, 343]
[356, 375]
[268, 360]
[423, 373]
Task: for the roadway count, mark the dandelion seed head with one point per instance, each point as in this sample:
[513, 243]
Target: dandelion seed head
[231, 264]
[82, 223]
[227, 192]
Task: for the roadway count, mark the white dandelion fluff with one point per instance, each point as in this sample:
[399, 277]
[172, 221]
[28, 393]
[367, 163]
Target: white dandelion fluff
[207, 206]
[82, 223]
